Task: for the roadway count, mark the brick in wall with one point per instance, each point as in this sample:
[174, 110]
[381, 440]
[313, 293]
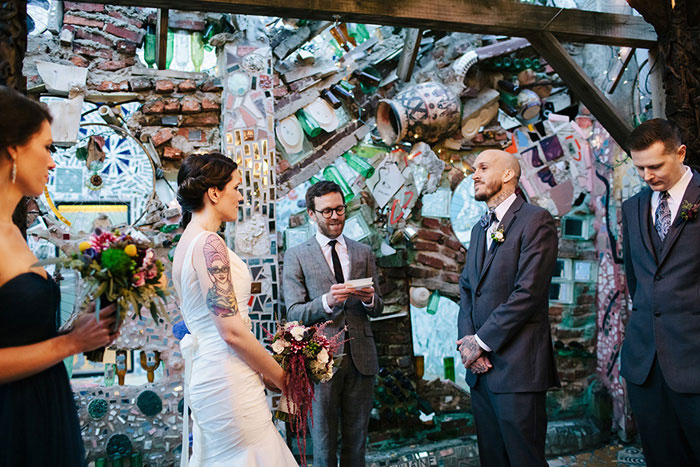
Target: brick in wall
[125, 33]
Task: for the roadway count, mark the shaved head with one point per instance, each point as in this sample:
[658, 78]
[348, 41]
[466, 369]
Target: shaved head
[496, 174]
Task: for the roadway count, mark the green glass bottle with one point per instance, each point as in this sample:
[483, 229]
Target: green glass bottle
[449, 364]
[308, 123]
[197, 50]
[362, 167]
[433, 303]
[169, 49]
[136, 460]
[332, 174]
[100, 462]
[117, 461]
[149, 46]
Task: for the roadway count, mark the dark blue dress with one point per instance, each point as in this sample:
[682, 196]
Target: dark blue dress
[38, 420]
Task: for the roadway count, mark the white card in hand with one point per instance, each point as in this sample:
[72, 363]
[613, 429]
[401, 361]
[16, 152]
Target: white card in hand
[359, 283]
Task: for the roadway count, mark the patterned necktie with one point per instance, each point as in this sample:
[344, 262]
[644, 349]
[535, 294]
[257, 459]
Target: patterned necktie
[337, 268]
[662, 217]
[487, 219]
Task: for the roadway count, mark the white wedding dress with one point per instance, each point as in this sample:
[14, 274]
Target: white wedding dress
[232, 421]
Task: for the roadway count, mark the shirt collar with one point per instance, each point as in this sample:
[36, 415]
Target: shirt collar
[677, 191]
[323, 240]
[502, 208]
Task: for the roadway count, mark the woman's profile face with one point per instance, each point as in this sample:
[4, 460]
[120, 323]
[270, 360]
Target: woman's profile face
[231, 197]
[34, 162]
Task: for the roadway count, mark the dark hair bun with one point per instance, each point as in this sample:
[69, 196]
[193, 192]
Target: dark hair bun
[197, 174]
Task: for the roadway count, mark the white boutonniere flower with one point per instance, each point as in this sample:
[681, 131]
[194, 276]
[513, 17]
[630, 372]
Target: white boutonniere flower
[499, 235]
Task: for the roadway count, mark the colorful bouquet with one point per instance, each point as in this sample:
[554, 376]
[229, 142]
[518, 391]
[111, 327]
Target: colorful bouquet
[119, 269]
[307, 357]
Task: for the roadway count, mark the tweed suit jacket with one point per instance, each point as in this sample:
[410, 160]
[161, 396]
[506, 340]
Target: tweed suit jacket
[665, 291]
[307, 277]
[506, 302]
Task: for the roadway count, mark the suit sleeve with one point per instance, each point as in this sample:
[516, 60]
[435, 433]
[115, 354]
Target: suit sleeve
[300, 307]
[378, 307]
[627, 256]
[465, 327]
[538, 254]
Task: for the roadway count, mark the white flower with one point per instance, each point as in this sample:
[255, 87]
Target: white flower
[498, 236]
[297, 332]
[323, 356]
[279, 345]
[328, 375]
[291, 324]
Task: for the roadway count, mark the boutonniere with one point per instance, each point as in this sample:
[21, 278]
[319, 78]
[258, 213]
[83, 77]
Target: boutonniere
[689, 211]
[498, 236]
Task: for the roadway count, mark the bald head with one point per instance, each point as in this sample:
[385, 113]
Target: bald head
[496, 174]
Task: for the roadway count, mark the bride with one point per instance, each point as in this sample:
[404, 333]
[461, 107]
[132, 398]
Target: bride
[225, 365]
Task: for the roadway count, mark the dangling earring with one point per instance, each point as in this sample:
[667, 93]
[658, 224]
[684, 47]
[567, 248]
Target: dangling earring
[13, 175]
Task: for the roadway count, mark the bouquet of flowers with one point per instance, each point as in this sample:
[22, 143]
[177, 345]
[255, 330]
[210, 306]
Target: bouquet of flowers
[119, 269]
[307, 357]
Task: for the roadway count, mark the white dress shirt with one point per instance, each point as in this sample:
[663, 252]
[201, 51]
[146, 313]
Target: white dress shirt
[500, 211]
[342, 249]
[675, 196]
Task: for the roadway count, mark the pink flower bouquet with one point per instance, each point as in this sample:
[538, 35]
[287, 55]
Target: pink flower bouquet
[307, 357]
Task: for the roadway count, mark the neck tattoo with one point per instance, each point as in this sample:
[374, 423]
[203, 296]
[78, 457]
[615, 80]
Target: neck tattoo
[499, 198]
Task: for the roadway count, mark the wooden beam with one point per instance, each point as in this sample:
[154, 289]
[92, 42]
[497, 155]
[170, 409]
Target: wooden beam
[582, 86]
[409, 53]
[162, 39]
[474, 16]
[619, 68]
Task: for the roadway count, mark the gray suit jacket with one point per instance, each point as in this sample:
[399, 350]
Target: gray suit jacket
[665, 291]
[507, 301]
[307, 277]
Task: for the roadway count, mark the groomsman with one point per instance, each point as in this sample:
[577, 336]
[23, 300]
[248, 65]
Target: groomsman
[660, 357]
[504, 317]
[314, 292]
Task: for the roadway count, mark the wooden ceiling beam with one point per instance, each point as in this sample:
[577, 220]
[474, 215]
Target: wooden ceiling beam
[582, 86]
[504, 17]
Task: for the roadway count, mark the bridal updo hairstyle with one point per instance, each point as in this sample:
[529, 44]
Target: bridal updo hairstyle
[20, 118]
[197, 174]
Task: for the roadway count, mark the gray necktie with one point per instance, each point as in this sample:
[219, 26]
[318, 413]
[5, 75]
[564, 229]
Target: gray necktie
[662, 217]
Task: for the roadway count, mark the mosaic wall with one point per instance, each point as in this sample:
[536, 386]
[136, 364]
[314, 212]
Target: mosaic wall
[248, 126]
[136, 419]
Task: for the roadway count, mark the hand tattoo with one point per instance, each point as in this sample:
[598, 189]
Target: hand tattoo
[470, 350]
[481, 365]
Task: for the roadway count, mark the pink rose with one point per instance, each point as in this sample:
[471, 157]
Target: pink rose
[139, 279]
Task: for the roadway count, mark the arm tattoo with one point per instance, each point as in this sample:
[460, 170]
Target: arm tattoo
[221, 298]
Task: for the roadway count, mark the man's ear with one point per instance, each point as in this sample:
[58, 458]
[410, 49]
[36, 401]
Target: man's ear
[681, 152]
[508, 175]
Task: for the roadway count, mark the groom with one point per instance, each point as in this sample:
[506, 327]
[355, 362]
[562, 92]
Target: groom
[504, 317]
[314, 292]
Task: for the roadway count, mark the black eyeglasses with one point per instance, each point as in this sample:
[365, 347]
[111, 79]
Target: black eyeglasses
[328, 212]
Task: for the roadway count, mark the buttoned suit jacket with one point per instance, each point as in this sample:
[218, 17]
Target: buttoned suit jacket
[665, 291]
[307, 277]
[506, 302]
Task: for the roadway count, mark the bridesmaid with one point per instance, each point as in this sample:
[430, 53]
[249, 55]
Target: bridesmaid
[38, 421]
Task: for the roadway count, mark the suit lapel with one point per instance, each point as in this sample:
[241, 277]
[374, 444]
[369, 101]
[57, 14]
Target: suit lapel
[645, 221]
[692, 194]
[479, 245]
[317, 255]
[353, 256]
[505, 223]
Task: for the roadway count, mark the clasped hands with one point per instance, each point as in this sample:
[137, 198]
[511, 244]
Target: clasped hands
[340, 292]
[473, 357]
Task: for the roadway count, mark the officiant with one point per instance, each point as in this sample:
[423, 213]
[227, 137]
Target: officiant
[318, 287]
